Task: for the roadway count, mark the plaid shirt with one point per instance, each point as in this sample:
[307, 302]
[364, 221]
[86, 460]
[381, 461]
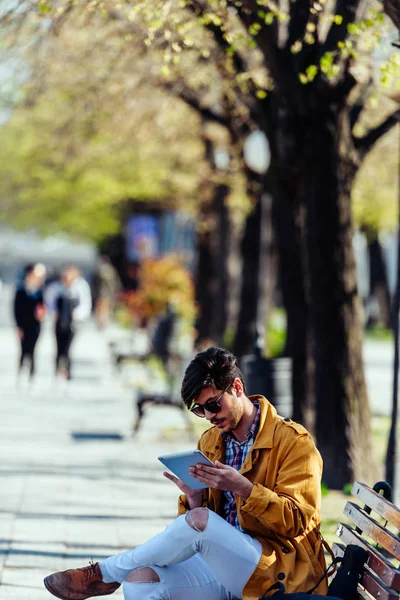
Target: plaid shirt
[235, 454]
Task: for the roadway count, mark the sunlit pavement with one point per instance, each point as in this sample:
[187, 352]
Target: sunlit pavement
[66, 498]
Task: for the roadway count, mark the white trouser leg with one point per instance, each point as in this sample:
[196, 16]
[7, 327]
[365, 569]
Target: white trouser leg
[189, 579]
[231, 555]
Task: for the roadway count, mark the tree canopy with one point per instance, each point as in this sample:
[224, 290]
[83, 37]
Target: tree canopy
[88, 133]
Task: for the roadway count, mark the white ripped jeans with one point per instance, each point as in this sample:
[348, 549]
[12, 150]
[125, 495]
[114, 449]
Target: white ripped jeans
[214, 564]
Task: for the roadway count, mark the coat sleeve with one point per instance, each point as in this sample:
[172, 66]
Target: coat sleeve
[183, 505]
[19, 308]
[290, 506]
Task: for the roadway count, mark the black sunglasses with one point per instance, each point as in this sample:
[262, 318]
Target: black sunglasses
[212, 406]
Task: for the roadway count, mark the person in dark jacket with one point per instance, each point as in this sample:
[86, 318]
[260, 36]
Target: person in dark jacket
[29, 311]
[73, 305]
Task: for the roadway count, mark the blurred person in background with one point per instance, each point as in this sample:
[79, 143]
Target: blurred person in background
[73, 305]
[106, 285]
[52, 289]
[29, 311]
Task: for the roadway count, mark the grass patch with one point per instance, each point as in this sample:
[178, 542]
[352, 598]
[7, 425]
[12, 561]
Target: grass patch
[380, 334]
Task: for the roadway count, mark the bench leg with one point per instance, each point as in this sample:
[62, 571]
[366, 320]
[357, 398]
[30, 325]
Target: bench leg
[139, 417]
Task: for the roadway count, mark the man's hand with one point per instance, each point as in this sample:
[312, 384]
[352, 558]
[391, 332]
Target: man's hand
[20, 333]
[223, 477]
[194, 497]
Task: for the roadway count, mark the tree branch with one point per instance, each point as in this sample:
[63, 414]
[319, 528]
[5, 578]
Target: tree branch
[358, 106]
[392, 8]
[219, 36]
[299, 15]
[364, 144]
[276, 60]
[350, 11]
[190, 98]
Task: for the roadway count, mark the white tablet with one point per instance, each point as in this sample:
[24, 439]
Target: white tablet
[180, 463]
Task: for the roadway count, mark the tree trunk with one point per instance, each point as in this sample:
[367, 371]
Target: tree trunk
[205, 276]
[213, 246]
[221, 247]
[288, 218]
[288, 235]
[342, 416]
[212, 278]
[250, 247]
[379, 284]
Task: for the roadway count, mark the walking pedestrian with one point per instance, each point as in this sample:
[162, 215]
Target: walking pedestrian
[73, 305]
[105, 285]
[29, 311]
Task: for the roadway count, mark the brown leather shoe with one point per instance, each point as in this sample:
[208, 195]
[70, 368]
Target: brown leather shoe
[79, 584]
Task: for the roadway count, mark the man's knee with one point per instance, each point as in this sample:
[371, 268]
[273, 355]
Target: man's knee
[142, 575]
[197, 518]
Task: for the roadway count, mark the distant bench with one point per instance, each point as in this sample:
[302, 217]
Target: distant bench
[381, 577]
[160, 343]
[174, 366]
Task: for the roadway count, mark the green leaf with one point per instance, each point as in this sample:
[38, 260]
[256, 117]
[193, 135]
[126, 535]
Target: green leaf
[165, 70]
[44, 8]
[269, 18]
[311, 72]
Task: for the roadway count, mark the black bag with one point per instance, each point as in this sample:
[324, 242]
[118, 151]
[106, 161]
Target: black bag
[280, 594]
[343, 586]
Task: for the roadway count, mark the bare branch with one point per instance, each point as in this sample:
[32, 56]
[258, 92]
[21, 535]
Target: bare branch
[277, 61]
[188, 96]
[299, 15]
[356, 109]
[219, 36]
[350, 11]
[61, 20]
[364, 144]
[392, 8]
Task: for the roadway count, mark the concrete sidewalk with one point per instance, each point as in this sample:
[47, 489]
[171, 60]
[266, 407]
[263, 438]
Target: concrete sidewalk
[63, 500]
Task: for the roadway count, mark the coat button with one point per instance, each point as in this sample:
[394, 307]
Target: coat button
[285, 550]
[217, 447]
[287, 419]
[281, 576]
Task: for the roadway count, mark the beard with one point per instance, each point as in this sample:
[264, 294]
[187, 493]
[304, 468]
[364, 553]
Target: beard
[235, 415]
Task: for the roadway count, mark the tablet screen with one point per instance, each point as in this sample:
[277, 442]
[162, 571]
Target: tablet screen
[180, 463]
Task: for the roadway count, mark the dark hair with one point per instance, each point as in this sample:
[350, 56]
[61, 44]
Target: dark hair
[28, 269]
[214, 367]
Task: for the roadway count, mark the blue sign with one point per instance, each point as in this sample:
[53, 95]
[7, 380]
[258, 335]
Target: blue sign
[141, 237]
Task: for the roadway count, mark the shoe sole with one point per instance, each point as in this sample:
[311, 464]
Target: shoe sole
[48, 588]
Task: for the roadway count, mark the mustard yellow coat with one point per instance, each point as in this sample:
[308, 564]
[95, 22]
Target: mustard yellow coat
[283, 509]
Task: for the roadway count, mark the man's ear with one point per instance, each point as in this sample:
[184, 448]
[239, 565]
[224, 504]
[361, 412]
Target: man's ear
[238, 387]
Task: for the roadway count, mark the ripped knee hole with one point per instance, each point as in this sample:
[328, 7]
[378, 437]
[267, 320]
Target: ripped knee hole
[197, 518]
[142, 575]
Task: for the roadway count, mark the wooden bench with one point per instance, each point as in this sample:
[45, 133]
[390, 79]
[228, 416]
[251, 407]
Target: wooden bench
[381, 576]
[160, 343]
[171, 397]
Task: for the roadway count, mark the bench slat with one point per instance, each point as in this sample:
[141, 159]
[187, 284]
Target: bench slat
[376, 588]
[362, 594]
[369, 581]
[378, 503]
[385, 538]
[376, 562]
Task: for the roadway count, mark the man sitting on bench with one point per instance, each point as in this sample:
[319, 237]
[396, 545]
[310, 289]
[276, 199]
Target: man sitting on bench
[255, 524]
